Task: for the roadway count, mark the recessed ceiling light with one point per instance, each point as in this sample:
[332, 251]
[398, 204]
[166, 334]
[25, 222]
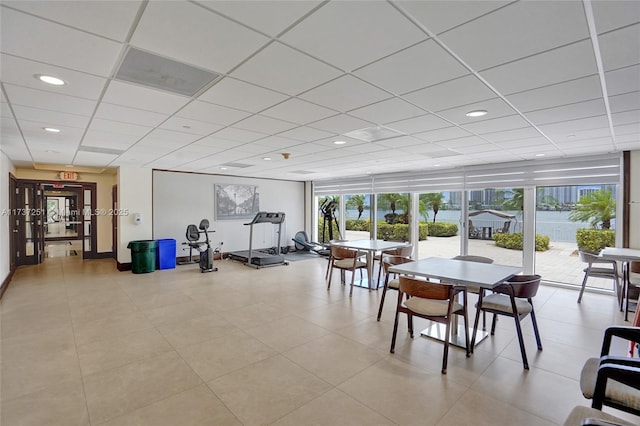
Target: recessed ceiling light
[50, 79]
[51, 130]
[477, 113]
[50, 151]
[436, 165]
[339, 142]
[266, 158]
[539, 155]
[223, 168]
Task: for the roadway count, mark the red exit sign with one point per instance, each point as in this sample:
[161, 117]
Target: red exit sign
[68, 176]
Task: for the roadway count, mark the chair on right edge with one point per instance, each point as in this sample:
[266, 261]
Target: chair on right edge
[610, 272]
[513, 298]
[615, 379]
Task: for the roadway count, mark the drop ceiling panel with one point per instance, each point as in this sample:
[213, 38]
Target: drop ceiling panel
[112, 140]
[627, 117]
[239, 135]
[285, 70]
[582, 89]
[419, 66]
[511, 135]
[339, 124]
[620, 48]
[168, 138]
[298, 111]
[119, 127]
[533, 27]
[32, 38]
[565, 128]
[623, 80]
[93, 159]
[400, 142]
[129, 115]
[569, 62]
[185, 125]
[240, 95]
[443, 134]
[134, 96]
[305, 134]
[495, 107]
[524, 142]
[345, 93]
[461, 91]
[393, 109]
[351, 33]
[218, 143]
[502, 123]
[610, 15]
[210, 113]
[626, 102]
[420, 124]
[21, 72]
[48, 100]
[568, 112]
[262, 124]
[189, 33]
[52, 158]
[50, 118]
[109, 19]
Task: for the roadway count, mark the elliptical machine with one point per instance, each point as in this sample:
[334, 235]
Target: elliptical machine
[206, 252]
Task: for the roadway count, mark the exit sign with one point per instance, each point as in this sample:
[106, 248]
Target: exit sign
[68, 176]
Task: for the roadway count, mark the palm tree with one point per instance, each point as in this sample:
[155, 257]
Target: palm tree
[356, 201]
[393, 201]
[433, 200]
[597, 207]
[516, 202]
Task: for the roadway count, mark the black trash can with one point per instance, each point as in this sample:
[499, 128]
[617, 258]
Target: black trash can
[143, 256]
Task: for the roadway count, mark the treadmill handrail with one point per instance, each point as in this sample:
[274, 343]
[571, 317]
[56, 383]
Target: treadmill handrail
[267, 217]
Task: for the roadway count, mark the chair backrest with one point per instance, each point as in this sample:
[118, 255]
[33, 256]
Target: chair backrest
[478, 259]
[391, 260]
[590, 258]
[425, 289]
[343, 252]
[521, 286]
[192, 233]
[400, 251]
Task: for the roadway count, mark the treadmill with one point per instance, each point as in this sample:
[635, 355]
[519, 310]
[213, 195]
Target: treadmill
[259, 259]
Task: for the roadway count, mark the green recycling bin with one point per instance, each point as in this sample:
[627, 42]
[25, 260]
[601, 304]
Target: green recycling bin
[143, 256]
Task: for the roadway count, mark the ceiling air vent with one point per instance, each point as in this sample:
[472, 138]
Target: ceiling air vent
[376, 133]
[148, 69]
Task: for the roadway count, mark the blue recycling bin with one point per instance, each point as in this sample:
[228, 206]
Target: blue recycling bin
[166, 254]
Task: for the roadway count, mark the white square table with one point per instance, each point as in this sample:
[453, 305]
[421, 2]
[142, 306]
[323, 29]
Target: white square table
[370, 247]
[626, 256]
[460, 272]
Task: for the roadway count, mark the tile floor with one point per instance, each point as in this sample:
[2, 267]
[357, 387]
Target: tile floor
[83, 344]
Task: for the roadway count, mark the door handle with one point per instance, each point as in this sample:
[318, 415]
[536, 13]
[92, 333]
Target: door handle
[15, 230]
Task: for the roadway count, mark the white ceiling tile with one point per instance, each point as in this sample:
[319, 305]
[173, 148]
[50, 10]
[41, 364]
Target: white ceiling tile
[262, 124]
[109, 19]
[419, 66]
[555, 66]
[129, 115]
[627, 117]
[345, 93]
[95, 159]
[393, 109]
[271, 17]
[461, 91]
[239, 135]
[564, 128]
[443, 134]
[210, 113]
[582, 89]
[620, 48]
[286, 70]
[464, 142]
[52, 158]
[612, 14]
[627, 129]
[339, 124]
[139, 97]
[48, 100]
[97, 138]
[305, 134]
[119, 127]
[298, 111]
[185, 125]
[33, 38]
[496, 124]
[21, 72]
[219, 143]
[511, 135]
[240, 95]
[568, 112]
[623, 80]
[533, 27]
[420, 124]
[495, 108]
[50, 118]
[192, 34]
[524, 142]
[626, 102]
[438, 16]
[400, 142]
[351, 33]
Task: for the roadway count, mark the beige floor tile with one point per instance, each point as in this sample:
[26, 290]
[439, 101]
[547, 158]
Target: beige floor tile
[196, 330]
[176, 313]
[35, 319]
[253, 315]
[507, 381]
[110, 327]
[61, 404]
[334, 317]
[159, 299]
[217, 357]
[193, 407]
[118, 391]
[334, 358]
[107, 354]
[404, 394]
[265, 391]
[333, 408]
[287, 333]
[479, 409]
[81, 314]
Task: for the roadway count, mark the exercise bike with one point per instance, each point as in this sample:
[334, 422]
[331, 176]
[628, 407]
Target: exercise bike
[204, 247]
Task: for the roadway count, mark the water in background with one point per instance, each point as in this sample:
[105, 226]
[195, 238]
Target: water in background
[552, 223]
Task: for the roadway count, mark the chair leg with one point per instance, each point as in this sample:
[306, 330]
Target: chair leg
[353, 277]
[493, 324]
[410, 324]
[384, 293]
[445, 355]
[584, 283]
[395, 325]
[523, 351]
[475, 324]
[330, 276]
[466, 325]
[535, 328]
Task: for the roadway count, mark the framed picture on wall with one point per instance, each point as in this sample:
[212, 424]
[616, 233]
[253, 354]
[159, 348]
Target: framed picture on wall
[234, 202]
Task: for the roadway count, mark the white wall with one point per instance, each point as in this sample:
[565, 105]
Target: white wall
[180, 199]
[6, 167]
[634, 210]
[134, 194]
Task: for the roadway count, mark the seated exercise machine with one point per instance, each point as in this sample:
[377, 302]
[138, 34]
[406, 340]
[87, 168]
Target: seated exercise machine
[204, 247]
[257, 258]
[302, 243]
